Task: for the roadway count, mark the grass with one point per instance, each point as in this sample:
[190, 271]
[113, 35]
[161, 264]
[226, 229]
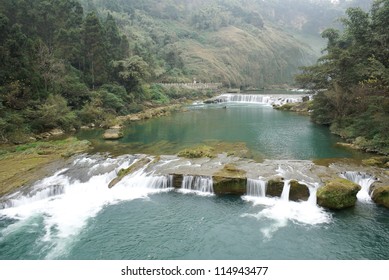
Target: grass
[23, 164]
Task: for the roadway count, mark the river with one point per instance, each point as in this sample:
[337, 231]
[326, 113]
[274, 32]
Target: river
[72, 214]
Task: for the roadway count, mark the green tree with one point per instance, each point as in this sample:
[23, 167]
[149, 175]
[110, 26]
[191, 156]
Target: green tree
[131, 73]
[95, 51]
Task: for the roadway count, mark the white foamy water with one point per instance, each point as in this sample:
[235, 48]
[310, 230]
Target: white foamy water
[279, 211]
[65, 213]
[200, 185]
[261, 99]
[364, 180]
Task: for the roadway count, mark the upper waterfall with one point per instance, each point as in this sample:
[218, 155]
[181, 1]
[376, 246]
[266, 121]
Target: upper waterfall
[276, 99]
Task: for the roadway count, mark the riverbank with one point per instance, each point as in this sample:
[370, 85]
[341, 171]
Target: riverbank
[21, 165]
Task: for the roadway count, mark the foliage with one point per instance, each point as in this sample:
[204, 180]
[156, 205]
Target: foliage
[355, 73]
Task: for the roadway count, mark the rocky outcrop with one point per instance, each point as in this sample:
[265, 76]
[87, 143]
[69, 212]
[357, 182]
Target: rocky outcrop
[230, 180]
[132, 168]
[338, 194]
[274, 187]
[177, 180]
[113, 133]
[298, 191]
[380, 195]
[229, 185]
[149, 113]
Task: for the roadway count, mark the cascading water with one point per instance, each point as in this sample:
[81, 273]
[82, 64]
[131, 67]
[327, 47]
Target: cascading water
[285, 191]
[364, 180]
[259, 99]
[65, 203]
[256, 187]
[198, 184]
[278, 211]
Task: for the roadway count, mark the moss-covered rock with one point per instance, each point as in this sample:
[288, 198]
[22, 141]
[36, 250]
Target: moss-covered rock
[230, 180]
[380, 195]
[275, 187]
[229, 185]
[380, 161]
[125, 171]
[338, 194]
[298, 191]
[198, 152]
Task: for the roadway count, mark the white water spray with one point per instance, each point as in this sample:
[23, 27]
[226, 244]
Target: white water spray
[364, 180]
[65, 205]
[256, 187]
[277, 212]
[202, 185]
[260, 99]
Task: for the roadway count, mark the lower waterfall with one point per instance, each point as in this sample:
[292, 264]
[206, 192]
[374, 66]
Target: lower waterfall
[198, 184]
[364, 180]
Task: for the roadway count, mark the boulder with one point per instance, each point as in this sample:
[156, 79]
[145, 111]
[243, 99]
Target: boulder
[298, 191]
[112, 134]
[275, 187]
[177, 180]
[230, 180]
[380, 195]
[229, 185]
[338, 194]
[56, 132]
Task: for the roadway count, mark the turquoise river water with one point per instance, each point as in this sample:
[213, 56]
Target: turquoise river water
[72, 214]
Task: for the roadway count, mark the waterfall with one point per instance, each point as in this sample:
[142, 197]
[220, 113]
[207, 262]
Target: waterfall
[259, 99]
[364, 180]
[66, 200]
[256, 187]
[285, 191]
[201, 184]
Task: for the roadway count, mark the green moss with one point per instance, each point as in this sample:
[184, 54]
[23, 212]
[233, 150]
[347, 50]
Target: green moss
[24, 164]
[198, 152]
[229, 185]
[380, 196]
[338, 194]
[377, 161]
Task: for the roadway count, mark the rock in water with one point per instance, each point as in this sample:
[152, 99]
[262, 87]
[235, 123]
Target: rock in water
[275, 187]
[113, 134]
[298, 191]
[338, 194]
[230, 180]
[380, 195]
[132, 168]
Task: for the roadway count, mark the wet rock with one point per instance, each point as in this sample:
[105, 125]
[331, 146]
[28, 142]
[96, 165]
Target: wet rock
[275, 187]
[113, 134]
[56, 132]
[177, 180]
[229, 185]
[380, 196]
[131, 169]
[298, 191]
[230, 180]
[338, 194]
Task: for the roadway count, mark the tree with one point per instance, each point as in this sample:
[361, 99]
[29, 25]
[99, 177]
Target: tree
[131, 73]
[95, 51]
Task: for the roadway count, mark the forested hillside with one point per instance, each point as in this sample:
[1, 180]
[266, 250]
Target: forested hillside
[354, 71]
[69, 63]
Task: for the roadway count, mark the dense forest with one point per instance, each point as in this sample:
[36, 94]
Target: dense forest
[354, 70]
[66, 63]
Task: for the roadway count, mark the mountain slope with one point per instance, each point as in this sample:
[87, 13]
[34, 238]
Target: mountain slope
[220, 41]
